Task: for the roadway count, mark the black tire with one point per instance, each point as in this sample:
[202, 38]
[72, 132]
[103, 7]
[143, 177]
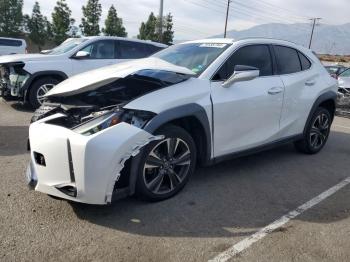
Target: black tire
[317, 132]
[174, 173]
[33, 98]
[43, 111]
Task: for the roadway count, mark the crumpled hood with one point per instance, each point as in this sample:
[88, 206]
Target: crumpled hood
[94, 79]
[22, 58]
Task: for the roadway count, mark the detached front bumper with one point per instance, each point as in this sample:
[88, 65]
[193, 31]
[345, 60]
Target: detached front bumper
[13, 80]
[77, 167]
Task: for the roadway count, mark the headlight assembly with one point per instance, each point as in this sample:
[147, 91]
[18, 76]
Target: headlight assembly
[97, 124]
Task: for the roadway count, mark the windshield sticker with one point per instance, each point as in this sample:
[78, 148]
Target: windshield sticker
[213, 45]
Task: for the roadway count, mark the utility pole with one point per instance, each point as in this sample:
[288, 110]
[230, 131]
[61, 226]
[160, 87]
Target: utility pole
[314, 23]
[160, 29]
[227, 11]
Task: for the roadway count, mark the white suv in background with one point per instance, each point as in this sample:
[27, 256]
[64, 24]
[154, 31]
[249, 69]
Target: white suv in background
[31, 76]
[10, 46]
[143, 126]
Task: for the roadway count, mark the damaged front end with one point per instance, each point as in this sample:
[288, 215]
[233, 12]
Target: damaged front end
[111, 95]
[80, 142]
[12, 78]
[82, 166]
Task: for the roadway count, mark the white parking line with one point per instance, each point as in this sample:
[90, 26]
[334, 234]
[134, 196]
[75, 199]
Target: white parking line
[247, 242]
[346, 127]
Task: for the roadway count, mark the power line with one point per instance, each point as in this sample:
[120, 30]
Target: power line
[260, 12]
[280, 8]
[244, 11]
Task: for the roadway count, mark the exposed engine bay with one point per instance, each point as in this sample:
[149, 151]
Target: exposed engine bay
[109, 98]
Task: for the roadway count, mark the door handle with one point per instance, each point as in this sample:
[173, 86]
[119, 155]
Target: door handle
[275, 90]
[310, 82]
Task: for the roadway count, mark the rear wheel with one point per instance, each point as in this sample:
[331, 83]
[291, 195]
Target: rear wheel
[38, 90]
[317, 132]
[166, 165]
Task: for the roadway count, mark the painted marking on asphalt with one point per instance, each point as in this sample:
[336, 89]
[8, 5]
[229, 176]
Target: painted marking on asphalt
[247, 242]
[346, 127]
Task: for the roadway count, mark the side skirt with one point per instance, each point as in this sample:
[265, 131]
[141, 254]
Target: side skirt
[254, 150]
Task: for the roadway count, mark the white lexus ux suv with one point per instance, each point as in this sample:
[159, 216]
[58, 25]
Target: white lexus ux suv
[143, 126]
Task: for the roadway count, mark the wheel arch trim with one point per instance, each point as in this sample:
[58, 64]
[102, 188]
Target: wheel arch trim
[188, 110]
[37, 75]
[327, 96]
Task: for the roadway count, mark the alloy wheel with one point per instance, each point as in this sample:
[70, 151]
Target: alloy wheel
[167, 165]
[42, 90]
[319, 131]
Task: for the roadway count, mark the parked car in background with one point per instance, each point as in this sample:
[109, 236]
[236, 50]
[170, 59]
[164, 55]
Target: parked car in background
[142, 126]
[31, 76]
[10, 46]
[335, 70]
[344, 82]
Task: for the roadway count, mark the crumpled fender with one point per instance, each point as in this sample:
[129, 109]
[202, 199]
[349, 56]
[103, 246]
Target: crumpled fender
[97, 159]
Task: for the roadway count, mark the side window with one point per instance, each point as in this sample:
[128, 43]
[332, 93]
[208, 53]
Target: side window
[153, 49]
[287, 60]
[9, 42]
[103, 49]
[253, 55]
[132, 50]
[305, 63]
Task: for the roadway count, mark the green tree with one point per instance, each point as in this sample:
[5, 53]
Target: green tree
[168, 33]
[36, 26]
[114, 24]
[11, 17]
[90, 22]
[49, 29]
[61, 21]
[147, 30]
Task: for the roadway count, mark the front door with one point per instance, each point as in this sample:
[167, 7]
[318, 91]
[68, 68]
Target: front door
[102, 53]
[246, 114]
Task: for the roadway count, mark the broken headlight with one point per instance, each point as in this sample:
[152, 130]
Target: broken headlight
[97, 124]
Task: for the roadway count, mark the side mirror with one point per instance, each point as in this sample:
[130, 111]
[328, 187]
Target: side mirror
[242, 73]
[45, 51]
[81, 55]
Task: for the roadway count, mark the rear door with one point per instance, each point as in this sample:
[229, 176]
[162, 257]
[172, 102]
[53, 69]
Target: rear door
[102, 53]
[246, 114]
[301, 81]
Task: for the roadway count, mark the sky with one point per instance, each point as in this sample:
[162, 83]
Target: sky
[195, 19]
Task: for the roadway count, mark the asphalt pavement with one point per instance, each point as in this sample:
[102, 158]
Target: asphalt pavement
[221, 206]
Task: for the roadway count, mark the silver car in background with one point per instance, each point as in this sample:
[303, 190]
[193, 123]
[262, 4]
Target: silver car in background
[11, 46]
[344, 82]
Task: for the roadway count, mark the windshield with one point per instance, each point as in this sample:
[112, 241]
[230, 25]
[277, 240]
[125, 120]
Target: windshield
[66, 46]
[195, 56]
[335, 69]
[345, 73]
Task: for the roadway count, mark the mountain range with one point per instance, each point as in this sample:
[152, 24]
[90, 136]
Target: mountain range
[327, 39]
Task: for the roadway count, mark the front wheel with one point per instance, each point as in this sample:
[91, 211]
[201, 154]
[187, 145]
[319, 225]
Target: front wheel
[166, 165]
[39, 89]
[317, 132]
